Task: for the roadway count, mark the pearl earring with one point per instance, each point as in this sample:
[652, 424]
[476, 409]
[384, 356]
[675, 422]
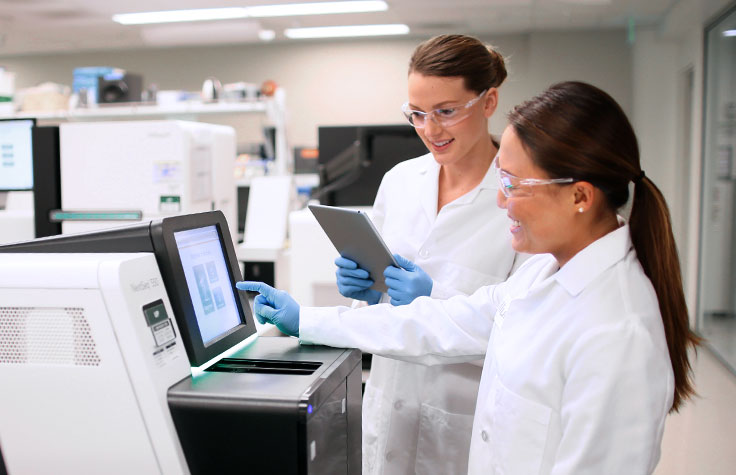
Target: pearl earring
[581, 209]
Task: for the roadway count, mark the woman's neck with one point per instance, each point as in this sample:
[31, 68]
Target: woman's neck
[587, 236]
[458, 178]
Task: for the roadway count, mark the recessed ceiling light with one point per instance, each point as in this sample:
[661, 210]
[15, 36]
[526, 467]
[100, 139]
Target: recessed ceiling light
[345, 31]
[266, 35]
[172, 16]
[586, 2]
[729, 33]
[321, 8]
[263, 11]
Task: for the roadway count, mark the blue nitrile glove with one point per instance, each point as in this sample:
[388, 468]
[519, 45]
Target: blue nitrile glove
[406, 283]
[354, 282]
[274, 306]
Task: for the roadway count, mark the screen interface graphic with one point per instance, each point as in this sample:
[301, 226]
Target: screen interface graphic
[16, 155]
[205, 269]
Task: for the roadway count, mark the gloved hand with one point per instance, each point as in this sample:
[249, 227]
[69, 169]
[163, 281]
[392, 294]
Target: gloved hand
[274, 306]
[354, 282]
[406, 283]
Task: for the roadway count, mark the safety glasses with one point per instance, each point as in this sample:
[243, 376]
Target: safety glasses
[513, 186]
[444, 117]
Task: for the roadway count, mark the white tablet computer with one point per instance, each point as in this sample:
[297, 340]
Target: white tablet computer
[354, 236]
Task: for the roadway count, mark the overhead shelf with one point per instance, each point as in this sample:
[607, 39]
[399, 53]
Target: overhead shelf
[148, 110]
[273, 107]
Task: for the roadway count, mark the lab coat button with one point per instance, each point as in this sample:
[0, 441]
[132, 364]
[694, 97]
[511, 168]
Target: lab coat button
[484, 435]
[389, 456]
[398, 405]
[423, 253]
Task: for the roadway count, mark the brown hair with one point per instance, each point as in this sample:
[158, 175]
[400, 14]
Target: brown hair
[576, 130]
[460, 56]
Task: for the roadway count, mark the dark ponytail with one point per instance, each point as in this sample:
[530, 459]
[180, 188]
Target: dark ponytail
[576, 130]
[651, 234]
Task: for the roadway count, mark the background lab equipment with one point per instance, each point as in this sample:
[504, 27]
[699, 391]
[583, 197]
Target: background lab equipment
[119, 86]
[144, 170]
[111, 334]
[264, 240]
[29, 179]
[353, 160]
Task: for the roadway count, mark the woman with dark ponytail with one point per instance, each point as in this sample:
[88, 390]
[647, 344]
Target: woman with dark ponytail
[588, 350]
[576, 130]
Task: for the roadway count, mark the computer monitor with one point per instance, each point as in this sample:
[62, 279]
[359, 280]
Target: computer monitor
[243, 195]
[29, 160]
[268, 148]
[196, 258]
[46, 179]
[16, 154]
[353, 160]
[205, 271]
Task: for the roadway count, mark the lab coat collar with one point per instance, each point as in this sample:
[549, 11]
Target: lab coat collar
[430, 173]
[592, 261]
[429, 176]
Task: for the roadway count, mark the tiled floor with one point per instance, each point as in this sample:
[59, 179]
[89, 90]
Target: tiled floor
[701, 438]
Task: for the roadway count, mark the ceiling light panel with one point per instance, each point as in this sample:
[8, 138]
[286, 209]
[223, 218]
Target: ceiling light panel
[346, 31]
[263, 11]
[321, 8]
[172, 16]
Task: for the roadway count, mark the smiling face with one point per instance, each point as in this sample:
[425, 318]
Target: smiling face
[464, 140]
[547, 219]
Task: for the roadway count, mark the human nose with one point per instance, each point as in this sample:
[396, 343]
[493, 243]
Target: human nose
[432, 125]
[501, 199]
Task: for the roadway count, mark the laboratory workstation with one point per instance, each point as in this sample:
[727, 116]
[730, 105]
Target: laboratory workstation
[368, 237]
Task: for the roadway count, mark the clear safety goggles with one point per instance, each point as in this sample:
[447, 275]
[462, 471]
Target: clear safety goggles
[444, 117]
[513, 186]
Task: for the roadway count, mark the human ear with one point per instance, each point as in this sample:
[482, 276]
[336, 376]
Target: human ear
[490, 102]
[583, 196]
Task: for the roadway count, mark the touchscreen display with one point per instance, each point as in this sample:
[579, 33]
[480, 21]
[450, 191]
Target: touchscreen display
[205, 269]
[16, 155]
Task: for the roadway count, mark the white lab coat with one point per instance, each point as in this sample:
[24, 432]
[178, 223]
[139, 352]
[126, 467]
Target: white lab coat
[576, 379]
[418, 419]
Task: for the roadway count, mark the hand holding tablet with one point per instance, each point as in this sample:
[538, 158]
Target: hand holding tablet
[356, 238]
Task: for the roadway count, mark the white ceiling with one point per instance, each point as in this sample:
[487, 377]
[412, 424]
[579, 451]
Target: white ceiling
[44, 26]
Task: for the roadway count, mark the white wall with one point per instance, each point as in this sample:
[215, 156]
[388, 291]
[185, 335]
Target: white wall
[655, 106]
[350, 82]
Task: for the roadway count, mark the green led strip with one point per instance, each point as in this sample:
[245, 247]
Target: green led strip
[58, 216]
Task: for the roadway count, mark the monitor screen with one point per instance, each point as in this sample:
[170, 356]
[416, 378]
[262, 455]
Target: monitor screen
[16, 155]
[380, 147]
[208, 280]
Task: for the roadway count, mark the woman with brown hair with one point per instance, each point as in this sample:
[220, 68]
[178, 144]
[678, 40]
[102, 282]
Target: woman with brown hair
[588, 350]
[433, 211]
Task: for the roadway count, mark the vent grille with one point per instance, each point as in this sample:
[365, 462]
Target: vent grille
[46, 336]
